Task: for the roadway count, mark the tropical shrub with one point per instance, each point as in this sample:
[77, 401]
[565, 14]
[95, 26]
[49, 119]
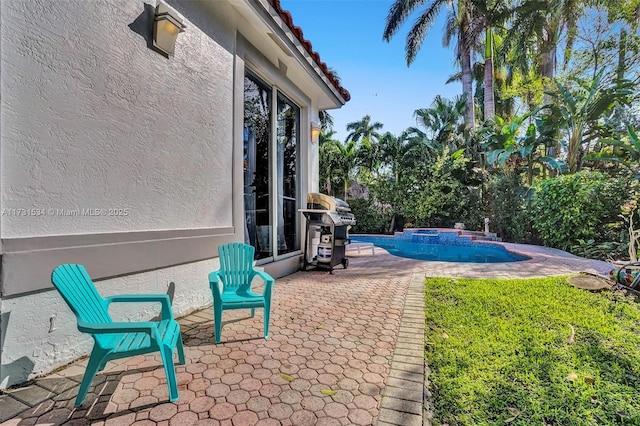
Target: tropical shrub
[582, 206]
[508, 206]
[441, 193]
[609, 250]
[370, 218]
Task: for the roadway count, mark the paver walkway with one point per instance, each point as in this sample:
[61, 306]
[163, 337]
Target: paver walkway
[337, 344]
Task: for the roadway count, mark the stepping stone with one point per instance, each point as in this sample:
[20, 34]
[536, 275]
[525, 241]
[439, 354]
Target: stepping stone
[31, 395]
[590, 282]
[10, 407]
[56, 384]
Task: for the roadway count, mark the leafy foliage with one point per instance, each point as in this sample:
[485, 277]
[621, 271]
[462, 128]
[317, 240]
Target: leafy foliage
[445, 170]
[516, 152]
[576, 207]
[608, 250]
[441, 192]
[581, 110]
[508, 206]
[624, 150]
[370, 218]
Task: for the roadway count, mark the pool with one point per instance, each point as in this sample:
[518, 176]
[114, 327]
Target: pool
[426, 244]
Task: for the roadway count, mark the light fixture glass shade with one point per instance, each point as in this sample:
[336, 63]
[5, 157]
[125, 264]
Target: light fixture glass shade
[315, 132]
[166, 27]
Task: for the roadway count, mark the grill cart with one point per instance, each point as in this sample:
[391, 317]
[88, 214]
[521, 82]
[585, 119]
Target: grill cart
[327, 232]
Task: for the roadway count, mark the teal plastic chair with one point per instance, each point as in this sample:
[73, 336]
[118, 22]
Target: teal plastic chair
[113, 340]
[231, 285]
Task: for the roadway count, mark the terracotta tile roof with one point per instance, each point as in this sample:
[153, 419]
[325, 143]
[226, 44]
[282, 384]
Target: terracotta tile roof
[297, 31]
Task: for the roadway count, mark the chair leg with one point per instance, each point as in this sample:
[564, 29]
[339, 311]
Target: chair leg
[180, 348]
[253, 312]
[172, 383]
[267, 312]
[95, 362]
[217, 319]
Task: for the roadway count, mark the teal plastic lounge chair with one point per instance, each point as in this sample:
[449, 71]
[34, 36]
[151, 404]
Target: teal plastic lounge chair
[113, 340]
[231, 285]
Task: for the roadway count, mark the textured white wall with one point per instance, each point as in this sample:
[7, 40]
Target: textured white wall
[93, 119]
[31, 349]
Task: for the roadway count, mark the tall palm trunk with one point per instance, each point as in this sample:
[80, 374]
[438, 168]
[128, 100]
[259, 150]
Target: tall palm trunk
[489, 101]
[467, 85]
[622, 53]
[548, 63]
[547, 67]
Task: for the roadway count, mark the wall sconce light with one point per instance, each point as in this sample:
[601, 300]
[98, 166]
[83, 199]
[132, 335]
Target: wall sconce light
[166, 27]
[315, 132]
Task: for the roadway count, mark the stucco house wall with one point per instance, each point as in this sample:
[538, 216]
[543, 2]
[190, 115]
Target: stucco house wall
[121, 159]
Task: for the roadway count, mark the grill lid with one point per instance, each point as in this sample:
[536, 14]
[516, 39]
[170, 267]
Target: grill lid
[322, 208]
[316, 200]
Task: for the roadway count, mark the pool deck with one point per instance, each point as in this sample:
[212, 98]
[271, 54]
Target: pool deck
[544, 261]
[344, 349]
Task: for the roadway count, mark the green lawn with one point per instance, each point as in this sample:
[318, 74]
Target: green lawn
[531, 352]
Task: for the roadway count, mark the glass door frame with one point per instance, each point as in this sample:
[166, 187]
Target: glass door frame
[302, 160]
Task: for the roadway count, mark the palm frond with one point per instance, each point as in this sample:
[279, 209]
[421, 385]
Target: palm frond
[419, 31]
[398, 13]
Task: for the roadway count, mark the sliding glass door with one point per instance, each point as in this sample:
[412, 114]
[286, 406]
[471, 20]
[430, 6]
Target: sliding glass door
[287, 132]
[257, 137]
[271, 170]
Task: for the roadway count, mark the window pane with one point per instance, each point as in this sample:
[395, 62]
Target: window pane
[257, 134]
[288, 121]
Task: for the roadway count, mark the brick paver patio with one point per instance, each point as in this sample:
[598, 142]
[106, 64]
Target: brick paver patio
[344, 349]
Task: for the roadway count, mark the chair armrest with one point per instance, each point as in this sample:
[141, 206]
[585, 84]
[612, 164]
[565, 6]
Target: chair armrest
[216, 286]
[166, 312]
[268, 282]
[117, 327]
[268, 279]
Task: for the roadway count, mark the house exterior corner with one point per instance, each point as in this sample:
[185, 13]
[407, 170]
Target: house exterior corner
[139, 165]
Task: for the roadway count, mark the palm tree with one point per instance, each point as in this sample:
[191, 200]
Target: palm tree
[443, 121]
[458, 24]
[399, 155]
[494, 76]
[329, 155]
[338, 163]
[326, 120]
[489, 101]
[491, 16]
[346, 164]
[369, 156]
[364, 129]
[540, 25]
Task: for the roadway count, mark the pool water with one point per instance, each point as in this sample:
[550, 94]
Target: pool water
[439, 246]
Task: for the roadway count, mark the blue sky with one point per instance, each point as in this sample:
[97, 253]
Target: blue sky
[348, 36]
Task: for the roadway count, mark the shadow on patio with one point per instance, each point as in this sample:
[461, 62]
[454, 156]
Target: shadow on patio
[327, 361]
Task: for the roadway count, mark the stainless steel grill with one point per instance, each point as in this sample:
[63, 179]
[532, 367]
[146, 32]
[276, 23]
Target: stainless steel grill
[328, 218]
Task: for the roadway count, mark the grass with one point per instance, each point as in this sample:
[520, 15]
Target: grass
[531, 352]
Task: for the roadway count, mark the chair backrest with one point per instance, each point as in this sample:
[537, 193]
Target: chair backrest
[236, 265]
[77, 289]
